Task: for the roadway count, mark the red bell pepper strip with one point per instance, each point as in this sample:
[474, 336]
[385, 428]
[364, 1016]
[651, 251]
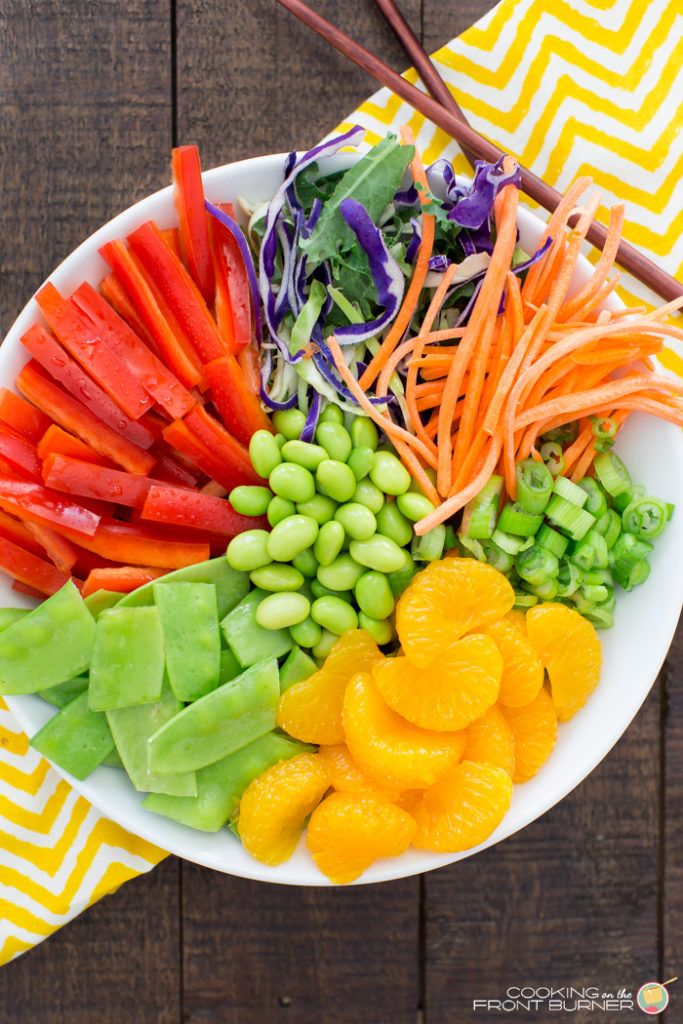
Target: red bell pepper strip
[157, 380]
[74, 417]
[60, 552]
[14, 530]
[180, 437]
[116, 295]
[90, 481]
[131, 544]
[172, 238]
[171, 471]
[83, 340]
[195, 245]
[35, 503]
[233, 296]
[23, 588]
[22, 417]
[239, 407]
[120, 580]
[20, 454]
[217, 439]
[174, 348]
[196, 510]
[181, 293]
[58, 441]
[30, 570]
[62, 368]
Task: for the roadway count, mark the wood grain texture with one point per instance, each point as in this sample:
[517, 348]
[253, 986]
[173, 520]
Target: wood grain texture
[671, 852]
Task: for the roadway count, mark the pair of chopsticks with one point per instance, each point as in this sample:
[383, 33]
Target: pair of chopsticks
[440, 108]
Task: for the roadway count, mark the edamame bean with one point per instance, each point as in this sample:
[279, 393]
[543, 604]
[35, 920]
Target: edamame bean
[360, 462]
[320, 507]
[306, 563]
[292, 481]
[367, 494]
[318, 590]
[341, 574]
[336, 478]
[249, 550]
[290, 537]
[306, 633]
[391, 523]
[358, 521]
[332, 414]
[304, 454]
[389, 474]
[335, 439]
[289, 422]
[334, 614]
[279, 508]
[414, 506]
[277, 577]
[250, 501]
[364, 433]
[381, 630]
[399, 580]
[280, 440]
[373, 594]
[264, 453]
[285, 609]
[324, 644]
[329, 542]
[379, 552]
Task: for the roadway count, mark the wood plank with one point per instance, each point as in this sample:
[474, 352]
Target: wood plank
[671, 853]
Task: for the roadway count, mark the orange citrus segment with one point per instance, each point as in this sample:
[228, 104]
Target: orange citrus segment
[348, 831]
[522, 668]
[489, 740]
[312, 709]
[346, 776]
[568, 647]
[446, 600]
[390, 749]
[463, 808]
[274, 806]
[534, 728]
[459, 686]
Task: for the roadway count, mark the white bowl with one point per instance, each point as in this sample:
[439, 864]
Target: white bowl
[633, 650]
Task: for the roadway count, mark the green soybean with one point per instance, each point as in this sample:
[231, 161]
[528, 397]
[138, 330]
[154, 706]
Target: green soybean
[249, 550]
[324, 645]
[360, 462]
[264, 453]
[289, 422]
[389, 474]
[367, 494]
[279, 508]
[341, 574]
[250, 501]
[414, 506]
[306, 563]
[364, 433]
[329, 542]
[374, 595]
[290, 537]
[334, 614]
[399, 580]
[292, 481]
[284, 609]
[381, 630]
[335, 439]
[306, 633]
[320, 507]
[332, 414]
[379, 552]
[318, 590]
[358, 521]
[304, 454]
[391, 523]
[336, 478]
[276, 576]
[280, 440]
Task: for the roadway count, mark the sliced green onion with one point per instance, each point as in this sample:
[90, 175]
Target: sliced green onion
[596, 503]
[553, 456]
[581, 603]
[604, 431]
[670, 509]
[429, 547]
[646, 517]
[627, 552]
[565, 434]
[501, 560]
[631, 494]
[546, 591]
[534, 485]
[524, 600]
[507, 541]
[570, 491]
[601, 617]
[637, 575]
[612, 473]
[569, 578]
[599, 576]
[451, 540]
[536, 564]
[552, 540]
[567, 517]
[609, 526]
[514, 519]
[596, 594]
[480, 514]
[474, 547]
[599, 544]
[583, 555]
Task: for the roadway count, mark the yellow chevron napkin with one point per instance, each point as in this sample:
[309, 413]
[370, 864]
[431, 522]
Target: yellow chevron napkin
[570, 87]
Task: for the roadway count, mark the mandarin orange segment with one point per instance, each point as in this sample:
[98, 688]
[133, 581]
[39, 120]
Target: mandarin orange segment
[534, 728]
[274, 806]
[346, 776]
[459, 686]
[568, 647]
[522, 668]
[390, 749]
[312, 709]
[348, 831]
[463, 808]
[446, 600]
[489, 740]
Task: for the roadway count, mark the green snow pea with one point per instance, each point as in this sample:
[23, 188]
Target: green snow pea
[127, 664]
[248, 641]
[231, 585]
[76, 738]
[192, 639]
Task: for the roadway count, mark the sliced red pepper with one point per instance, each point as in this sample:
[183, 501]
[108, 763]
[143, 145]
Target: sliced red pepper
[172, 472]
[58, 441]
[23, 588]
[83, 340]
[74, 417]
[233, 296]
[172, 238]
[180, 437]
[61, 367]
[35, 503]
[14, 530]
[89, 481]
[59, 550]
[239, 407]
[179, 290]
[195, 245]
[196, 510]
[116, 295]
[22, 416]
[30, 570]
[120, 580]
[131, 544]
[217, 439]
[20, 454]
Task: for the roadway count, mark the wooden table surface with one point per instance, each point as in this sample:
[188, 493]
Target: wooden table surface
[93, 95]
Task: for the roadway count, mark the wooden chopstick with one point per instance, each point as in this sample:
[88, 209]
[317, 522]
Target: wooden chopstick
[627, 256]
